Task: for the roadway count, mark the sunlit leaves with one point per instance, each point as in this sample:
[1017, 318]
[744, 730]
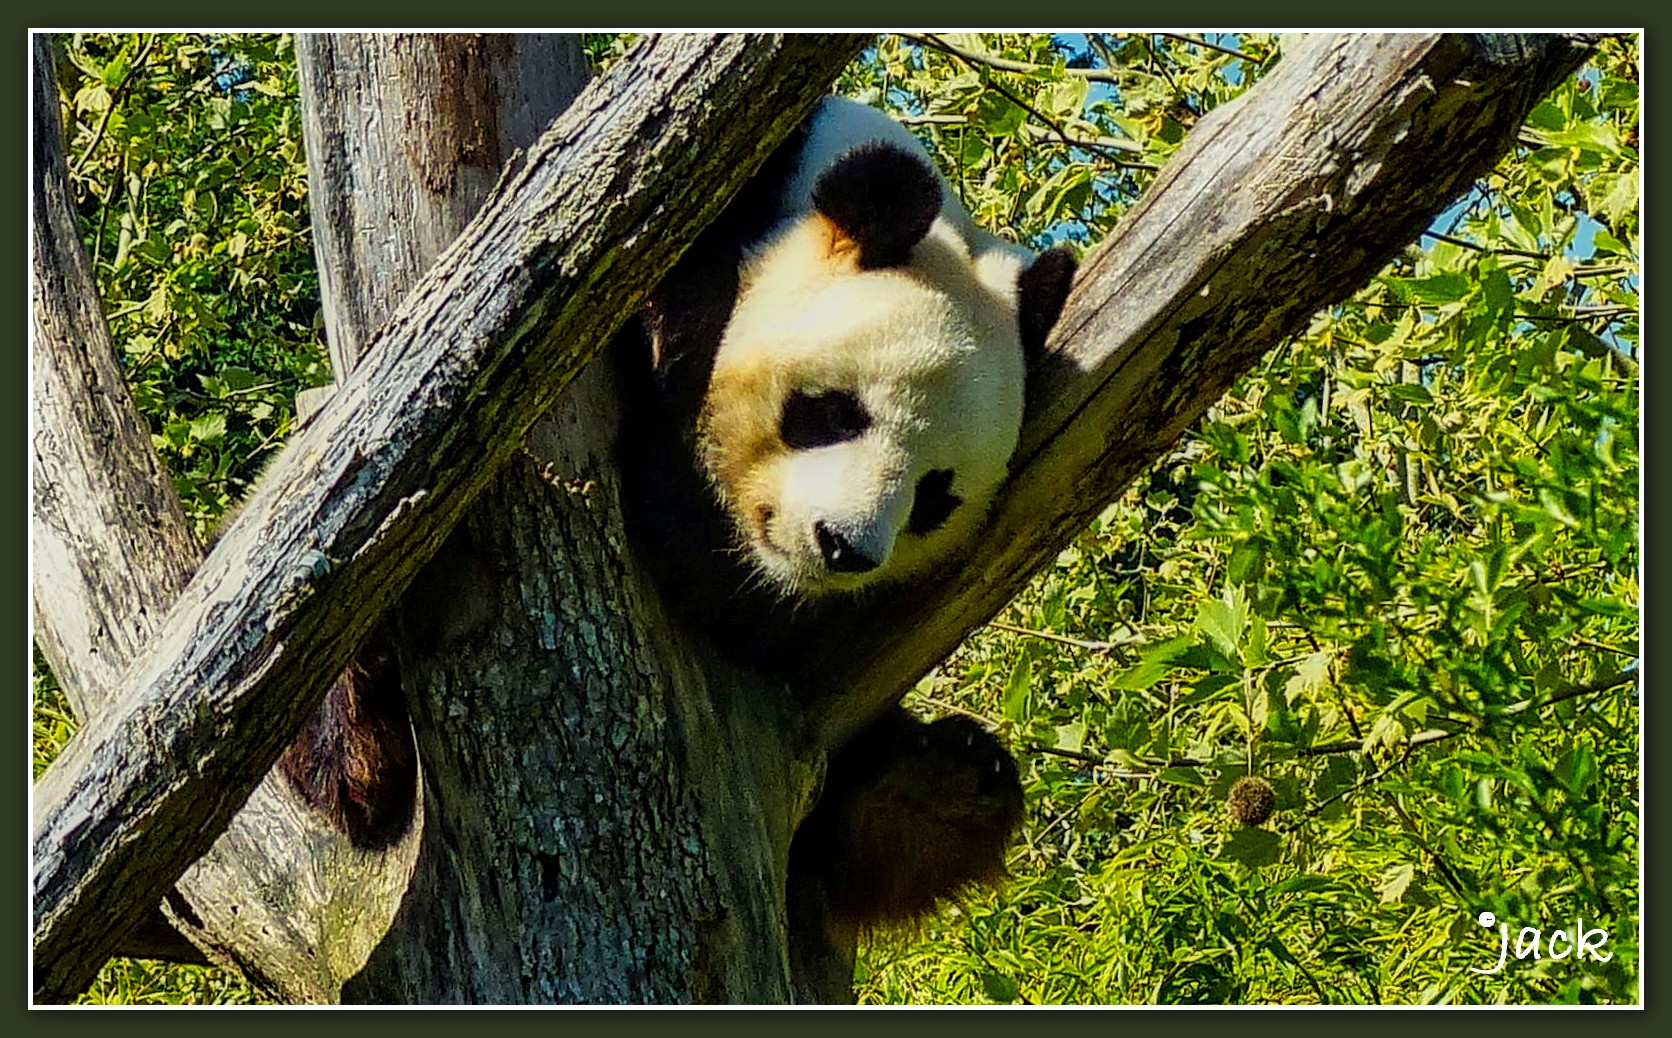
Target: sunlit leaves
[1394, 572]
[186, 162]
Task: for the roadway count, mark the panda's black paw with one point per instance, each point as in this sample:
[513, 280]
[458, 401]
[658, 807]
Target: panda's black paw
[911, 813]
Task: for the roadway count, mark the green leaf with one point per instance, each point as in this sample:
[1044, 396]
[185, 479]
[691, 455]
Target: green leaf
[1156, 662]
[1614, 197]
[209, 428]
[1303, 883]
[1410, 393]
[999, 116]
[1015, 702]
[1207, 687]
[1281, 725]
[1576, 769]
[1183, 777]
[1071, 737]
[1394, 883]
[1441, 288]
[1065, 98]
[1253, 847]
[1224, 619]
[1310, 674]
[999, 987]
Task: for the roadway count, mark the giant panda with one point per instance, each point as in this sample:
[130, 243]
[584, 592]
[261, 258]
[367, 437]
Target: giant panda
[831, 388]
[819, 402]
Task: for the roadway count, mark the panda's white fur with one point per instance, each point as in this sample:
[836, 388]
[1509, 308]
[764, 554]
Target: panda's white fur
[929, 348]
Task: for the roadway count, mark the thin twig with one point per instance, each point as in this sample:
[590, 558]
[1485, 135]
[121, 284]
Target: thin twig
[1095, 75]
[941, 704]
[1466, 244]
[110, 109]
[1626, 676]
[1062, 135]
[1038, 133]
[1063, 639]
[1603, 646]
[1362, 784]
[1201, 42]
[1447, 873]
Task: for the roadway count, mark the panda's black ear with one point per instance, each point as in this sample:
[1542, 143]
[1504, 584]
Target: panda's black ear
[883, 198]
[1040, 292]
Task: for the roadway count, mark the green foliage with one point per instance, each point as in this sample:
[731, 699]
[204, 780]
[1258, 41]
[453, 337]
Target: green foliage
[185, 156]
[1394, 571]
[1058, 151]
[138, 982]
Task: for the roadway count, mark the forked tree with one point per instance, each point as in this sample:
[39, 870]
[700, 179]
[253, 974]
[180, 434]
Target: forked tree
[606, 802]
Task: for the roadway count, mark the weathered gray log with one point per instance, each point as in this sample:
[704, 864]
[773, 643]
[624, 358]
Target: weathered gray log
[275, 896]
[1278, 204]
[110, 544]
[368, 489]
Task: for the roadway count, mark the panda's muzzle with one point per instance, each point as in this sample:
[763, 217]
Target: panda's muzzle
[840, 556]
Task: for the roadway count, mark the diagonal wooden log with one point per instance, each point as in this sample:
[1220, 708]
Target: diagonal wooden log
[110, 544]
[1278, 204]
[568, 244]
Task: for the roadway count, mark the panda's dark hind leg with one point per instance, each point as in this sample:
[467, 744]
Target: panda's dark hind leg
[355, 760]
[911, 813]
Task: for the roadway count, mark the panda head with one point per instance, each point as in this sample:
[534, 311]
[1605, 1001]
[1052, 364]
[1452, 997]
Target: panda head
[868, 389]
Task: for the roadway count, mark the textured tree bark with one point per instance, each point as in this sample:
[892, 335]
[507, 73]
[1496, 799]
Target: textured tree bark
[372, 484]
[111, 546]
[112, 550]
[406, 134]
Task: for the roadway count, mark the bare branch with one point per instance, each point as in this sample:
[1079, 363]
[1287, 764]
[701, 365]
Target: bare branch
[1199, 41]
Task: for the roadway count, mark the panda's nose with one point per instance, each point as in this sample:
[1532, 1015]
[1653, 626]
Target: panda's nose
[840, 555]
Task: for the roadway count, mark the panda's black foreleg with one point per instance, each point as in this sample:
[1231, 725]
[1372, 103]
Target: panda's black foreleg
[911, 813]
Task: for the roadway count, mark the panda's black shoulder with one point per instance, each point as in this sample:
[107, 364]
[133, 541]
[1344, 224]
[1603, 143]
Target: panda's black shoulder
[663, 358]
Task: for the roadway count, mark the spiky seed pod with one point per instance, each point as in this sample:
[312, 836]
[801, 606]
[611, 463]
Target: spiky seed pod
[1251, 800]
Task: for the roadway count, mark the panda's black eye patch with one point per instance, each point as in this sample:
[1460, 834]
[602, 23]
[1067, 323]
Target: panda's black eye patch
[933, 504]
[821, 419]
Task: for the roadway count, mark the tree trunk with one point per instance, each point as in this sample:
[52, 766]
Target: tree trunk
[112, 550]
[608, 805]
